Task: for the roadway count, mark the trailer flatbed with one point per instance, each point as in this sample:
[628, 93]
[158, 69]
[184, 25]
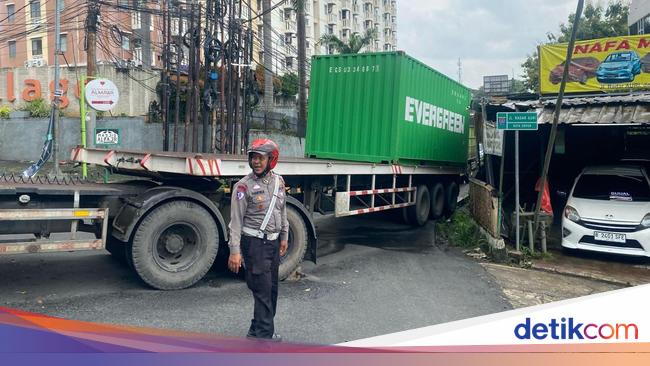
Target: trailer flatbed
[213, 165]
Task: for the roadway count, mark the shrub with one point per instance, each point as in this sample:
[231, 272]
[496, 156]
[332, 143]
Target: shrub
[4, 112]
[37, 108]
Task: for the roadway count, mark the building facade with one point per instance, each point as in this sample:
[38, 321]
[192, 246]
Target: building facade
[125, 36]
[341, 18]
[638, 19]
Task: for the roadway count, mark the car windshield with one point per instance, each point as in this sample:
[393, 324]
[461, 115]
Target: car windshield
[616, 57]
[612, 187]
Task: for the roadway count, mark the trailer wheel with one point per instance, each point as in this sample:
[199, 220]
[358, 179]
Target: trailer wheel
[175, 245]
[437, 201]
[298, 239]
[419, 213]
[451, 198]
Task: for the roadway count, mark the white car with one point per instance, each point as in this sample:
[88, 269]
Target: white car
[609, 211]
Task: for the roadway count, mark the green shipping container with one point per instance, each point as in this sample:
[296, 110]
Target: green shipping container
[386, 108]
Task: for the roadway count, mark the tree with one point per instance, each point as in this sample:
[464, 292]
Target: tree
[289, 84]
[596, 22]
[260, 76]
[354, 45]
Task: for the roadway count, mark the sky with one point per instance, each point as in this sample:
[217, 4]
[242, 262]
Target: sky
[491, 37]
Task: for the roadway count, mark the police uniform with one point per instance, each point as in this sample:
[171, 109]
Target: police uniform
[251, 198]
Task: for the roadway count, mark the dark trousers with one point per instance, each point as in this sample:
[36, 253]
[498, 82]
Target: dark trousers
[262, 260]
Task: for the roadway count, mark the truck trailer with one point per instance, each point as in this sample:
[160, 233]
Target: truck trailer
[385, 132]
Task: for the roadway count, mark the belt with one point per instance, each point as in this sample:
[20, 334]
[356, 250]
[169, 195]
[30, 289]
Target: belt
[260, 234]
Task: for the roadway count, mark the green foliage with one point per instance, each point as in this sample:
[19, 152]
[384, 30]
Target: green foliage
[461, 231]
[37, 108]
[4, 112]
[531, 72]
[355, 43]
[289, 84]
[596, 22]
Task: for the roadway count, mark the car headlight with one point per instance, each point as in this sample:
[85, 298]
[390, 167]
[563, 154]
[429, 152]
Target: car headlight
[646, 221]
[571, 214]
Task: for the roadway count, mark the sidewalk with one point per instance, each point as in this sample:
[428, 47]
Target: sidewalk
[613, 269]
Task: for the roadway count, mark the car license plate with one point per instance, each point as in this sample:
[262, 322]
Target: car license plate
[611, 237]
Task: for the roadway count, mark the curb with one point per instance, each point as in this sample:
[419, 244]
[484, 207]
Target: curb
[585, 275]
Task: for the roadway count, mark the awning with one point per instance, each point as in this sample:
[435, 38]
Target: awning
[625, 109]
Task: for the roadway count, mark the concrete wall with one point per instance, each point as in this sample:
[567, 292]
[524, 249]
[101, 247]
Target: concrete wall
[22, 139]
[136, 87]
[290, 146]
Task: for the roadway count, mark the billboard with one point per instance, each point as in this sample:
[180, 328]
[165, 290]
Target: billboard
[497, 85]
[605, 64]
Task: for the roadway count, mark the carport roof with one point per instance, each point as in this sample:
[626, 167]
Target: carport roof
[620, 109]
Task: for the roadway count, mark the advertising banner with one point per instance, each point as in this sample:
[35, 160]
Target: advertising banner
[605, 64]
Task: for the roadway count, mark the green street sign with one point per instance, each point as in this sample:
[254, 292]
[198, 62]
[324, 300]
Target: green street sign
[517, 121]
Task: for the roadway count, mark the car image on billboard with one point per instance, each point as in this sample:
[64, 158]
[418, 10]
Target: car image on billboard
[645, 63]
[619, 67]
[581, 69]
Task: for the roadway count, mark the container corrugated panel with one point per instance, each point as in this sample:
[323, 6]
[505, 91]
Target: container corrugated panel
[386, 107]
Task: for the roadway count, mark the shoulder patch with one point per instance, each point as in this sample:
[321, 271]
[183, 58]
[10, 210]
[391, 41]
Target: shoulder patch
[241, 191]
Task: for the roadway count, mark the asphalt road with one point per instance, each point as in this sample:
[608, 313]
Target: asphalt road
[373, 277]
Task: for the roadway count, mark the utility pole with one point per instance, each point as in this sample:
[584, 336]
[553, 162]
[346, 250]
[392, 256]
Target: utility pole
[268, 55]
[556, 115]
[91, 37]
[165, 75]
[91, 62]
[55, 102]
[302, 69]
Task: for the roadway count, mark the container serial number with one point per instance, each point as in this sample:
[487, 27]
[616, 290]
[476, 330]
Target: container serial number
[353, 69]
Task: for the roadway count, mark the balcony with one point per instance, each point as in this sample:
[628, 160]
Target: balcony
[332, 18]
[289, 26]
[346, 4]
[368, 15]
[290, 51]
[346, 24]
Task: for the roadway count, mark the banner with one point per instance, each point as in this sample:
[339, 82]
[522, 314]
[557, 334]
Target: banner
[492, 139]
[605, 64]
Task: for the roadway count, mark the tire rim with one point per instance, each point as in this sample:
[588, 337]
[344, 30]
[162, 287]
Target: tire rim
[177, 247]
[425, 207]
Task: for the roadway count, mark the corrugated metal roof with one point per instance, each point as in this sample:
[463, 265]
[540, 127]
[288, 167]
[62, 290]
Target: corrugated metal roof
[620, 109]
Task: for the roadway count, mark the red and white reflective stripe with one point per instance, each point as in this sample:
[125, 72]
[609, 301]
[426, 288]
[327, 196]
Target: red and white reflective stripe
[213, 165]
[397, 169]
[217, 164]
[189, 163]
[75, 153]
[144, 161]
[379, 208]
[198, 161]
[381, 191]
[108, 156]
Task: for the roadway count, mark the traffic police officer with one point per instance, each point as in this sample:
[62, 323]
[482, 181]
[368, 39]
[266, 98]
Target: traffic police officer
[259, 232]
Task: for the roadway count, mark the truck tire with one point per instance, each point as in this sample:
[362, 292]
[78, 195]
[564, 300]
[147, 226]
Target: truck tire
[451, 198]
[298, 241]
[419, 213]
[437, 201]
[175, 245]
